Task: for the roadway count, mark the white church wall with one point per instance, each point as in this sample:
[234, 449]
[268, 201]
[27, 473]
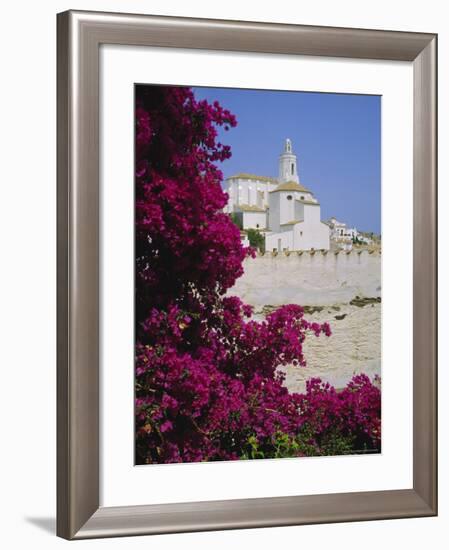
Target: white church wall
[299, 211]
[279, 241]
[288, 169]
[233, 192]
[287, 207]
[311, 234]
[309, 278]
[247, 191]
[228, 188]
[312, 214]
[254, 220]
[304, 196]
[283, 207]
[252, 193]
[287, 229]
[274, 212]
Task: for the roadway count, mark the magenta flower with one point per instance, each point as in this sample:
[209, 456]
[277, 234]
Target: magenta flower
[207, 380]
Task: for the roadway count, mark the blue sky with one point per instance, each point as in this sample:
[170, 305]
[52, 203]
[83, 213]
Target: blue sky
[335, 136]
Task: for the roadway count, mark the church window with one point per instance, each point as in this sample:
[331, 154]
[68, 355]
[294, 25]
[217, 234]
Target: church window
[289, 197]
[293, 168]
[302, 197]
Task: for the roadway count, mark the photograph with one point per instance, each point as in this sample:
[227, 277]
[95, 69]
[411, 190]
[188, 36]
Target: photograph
[222, 317]
[258, 294]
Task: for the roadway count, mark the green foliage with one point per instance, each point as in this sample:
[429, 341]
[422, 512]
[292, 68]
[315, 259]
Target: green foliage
[256, 239]
[283, 445]
[334, 443]
[237, 220]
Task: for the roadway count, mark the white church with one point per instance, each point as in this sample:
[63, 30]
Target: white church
[283, 209]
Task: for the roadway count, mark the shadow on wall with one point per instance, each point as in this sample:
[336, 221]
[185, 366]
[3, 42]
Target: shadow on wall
[45, 524]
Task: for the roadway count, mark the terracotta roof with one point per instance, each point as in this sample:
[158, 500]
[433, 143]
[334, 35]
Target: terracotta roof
[250, 208]
[290, 186]
[253, 177]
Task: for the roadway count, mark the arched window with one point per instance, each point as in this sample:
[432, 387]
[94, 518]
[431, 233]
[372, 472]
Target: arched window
[293, 168]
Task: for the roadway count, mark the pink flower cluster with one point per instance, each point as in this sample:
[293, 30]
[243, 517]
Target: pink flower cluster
[207, 378]
[353, 413]
[182, 235]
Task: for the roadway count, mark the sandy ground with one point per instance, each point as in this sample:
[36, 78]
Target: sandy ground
[354, 346]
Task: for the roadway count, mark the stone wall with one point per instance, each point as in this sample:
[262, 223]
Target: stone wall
[309, 278]
[354, 346]
[342, 289]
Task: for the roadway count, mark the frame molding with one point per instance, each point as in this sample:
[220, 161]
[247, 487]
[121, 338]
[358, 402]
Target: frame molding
[79, 36]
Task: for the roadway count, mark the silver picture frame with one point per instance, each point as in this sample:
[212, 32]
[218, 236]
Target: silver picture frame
[79, 36]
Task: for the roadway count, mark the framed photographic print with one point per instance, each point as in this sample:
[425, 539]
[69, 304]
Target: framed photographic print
[251, 271]
[246, 274]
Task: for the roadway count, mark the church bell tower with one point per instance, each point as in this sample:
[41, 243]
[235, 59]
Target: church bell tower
[288, 168]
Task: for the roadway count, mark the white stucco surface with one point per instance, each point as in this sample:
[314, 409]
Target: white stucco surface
[254, 220]
[309, 278]
[354, 347]
[341, 289]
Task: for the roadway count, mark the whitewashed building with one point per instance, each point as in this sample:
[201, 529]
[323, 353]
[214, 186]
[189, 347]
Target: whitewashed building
[343, 236]
[340, 230]
[283, 209]
[248, 199]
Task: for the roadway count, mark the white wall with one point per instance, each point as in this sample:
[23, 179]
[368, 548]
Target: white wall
[28, 272]
[311, 234]
[286, 161]
[245, 191]
[312, 214]
[287, 206]
[229, 188]
[281, 240]
[312, 279]
[299, 211]
[274, 217]
[254, 220]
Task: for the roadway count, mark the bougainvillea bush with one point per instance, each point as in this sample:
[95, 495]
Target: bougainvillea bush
[208, 386]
